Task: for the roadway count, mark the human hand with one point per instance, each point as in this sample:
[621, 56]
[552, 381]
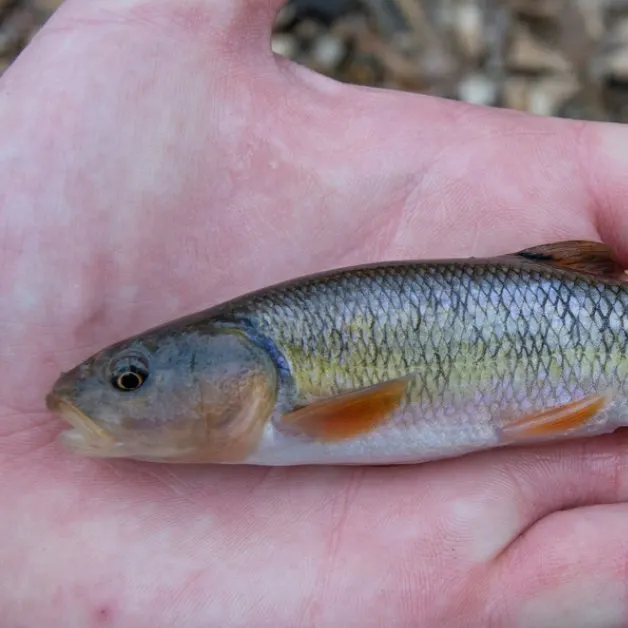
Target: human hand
[156, 159]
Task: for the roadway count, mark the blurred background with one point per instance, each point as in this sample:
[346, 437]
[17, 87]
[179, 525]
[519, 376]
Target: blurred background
[566, 58]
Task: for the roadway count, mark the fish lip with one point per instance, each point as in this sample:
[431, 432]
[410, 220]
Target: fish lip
[83, 429]
[76, 441]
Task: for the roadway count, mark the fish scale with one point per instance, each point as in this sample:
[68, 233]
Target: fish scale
[482, 343]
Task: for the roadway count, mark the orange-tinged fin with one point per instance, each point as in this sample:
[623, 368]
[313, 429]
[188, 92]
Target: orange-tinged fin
[349, 415]
[582, 256]
[554, 421]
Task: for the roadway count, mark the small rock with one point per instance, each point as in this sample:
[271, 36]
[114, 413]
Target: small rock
[581, 108]
[9, 40]
[615, 61]
[284, 44]
[445, 14]
[329, 51]
[528, 54]
[387, 15]
[617, 64]
[593, 20]
[549, 94]
[477, 89]
[618, 34]
[285, 18]
[538, 8]
[437, 63]
[324, 11]
[364, 69]
[469, 28]
[307, 31]
[516, 90]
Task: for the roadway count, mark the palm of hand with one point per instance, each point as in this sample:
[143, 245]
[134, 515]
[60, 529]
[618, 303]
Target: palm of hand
[171, 171]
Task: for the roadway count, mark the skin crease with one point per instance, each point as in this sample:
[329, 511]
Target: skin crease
[156, 159]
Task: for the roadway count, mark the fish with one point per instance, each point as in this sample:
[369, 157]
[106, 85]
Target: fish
[397, 362]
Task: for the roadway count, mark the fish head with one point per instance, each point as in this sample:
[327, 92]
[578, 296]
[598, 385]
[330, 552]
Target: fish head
[190, 396]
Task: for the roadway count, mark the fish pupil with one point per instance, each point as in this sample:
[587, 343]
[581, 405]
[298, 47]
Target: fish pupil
[130, 381]
[129, 377]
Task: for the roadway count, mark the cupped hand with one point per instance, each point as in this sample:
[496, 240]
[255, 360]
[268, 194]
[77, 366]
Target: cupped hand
[156, 158]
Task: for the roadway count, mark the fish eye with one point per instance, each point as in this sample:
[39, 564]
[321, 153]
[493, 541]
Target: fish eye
[129, 373]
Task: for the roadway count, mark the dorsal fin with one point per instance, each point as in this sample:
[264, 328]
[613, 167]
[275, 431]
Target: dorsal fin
[583, 256]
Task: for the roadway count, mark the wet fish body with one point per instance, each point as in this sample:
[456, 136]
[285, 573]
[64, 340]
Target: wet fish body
[385, 364]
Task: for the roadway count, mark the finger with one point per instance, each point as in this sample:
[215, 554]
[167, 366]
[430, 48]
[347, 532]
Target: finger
[570, 569]
[488, 500]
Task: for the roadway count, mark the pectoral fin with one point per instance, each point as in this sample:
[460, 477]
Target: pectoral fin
[554, 421]
[349, 415]
[593, 258]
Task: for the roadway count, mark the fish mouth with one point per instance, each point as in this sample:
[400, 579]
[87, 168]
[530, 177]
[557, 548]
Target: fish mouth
[84, 436]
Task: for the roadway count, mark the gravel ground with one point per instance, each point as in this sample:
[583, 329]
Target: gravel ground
[566, 58]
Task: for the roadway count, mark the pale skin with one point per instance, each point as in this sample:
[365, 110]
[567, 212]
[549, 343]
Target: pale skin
[156, 159]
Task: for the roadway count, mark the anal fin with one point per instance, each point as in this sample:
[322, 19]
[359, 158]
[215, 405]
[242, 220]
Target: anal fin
[554, 421]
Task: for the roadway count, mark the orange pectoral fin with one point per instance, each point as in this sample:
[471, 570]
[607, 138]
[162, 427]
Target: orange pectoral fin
[348, 415]
[555, 421]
